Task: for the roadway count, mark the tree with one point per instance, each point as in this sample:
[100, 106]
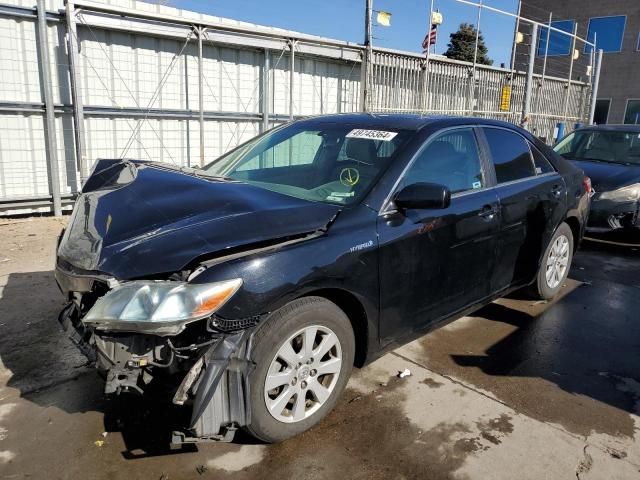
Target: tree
[461, 45]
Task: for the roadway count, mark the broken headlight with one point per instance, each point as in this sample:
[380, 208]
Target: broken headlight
[625, 194]
[159, 307]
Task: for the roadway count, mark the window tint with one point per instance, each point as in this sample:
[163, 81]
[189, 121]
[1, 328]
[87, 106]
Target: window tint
[542, 164]
[510, 154]
[559, 44]
[607, 31]
[451, 159]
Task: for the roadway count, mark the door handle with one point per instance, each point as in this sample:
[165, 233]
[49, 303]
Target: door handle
[488, 212]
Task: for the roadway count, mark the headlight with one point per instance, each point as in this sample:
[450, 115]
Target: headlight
[625, 194]
[159, 307]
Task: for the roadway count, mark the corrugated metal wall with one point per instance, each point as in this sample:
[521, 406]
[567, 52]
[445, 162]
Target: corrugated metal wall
[119, 74]
[138, 84]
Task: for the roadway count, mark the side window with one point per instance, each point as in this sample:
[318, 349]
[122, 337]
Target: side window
[451, 159]
[542, 164]
[510, 154]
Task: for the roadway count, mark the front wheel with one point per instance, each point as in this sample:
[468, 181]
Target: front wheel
[555, 264]
[304, 355]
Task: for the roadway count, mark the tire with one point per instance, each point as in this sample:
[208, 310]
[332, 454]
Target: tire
[556, 261]
[292, 325]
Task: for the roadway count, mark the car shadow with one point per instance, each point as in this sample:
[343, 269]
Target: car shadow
[35, 352]
[586, 343]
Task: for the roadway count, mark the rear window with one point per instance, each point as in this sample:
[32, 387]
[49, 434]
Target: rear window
[510, 154]
[541, 162]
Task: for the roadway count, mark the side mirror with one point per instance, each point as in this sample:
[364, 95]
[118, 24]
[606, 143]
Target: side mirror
[423, 195]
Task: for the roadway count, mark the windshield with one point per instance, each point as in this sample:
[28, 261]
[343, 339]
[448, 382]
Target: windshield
[601, 146]
[328, 163]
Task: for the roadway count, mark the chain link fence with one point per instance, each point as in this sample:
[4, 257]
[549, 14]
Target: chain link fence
[157, 83]
[550, 79]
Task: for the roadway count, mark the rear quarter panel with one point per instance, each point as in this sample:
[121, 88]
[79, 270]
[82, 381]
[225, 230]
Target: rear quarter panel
[577, 200]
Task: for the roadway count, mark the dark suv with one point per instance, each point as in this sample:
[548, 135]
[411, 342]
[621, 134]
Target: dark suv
[246, 291]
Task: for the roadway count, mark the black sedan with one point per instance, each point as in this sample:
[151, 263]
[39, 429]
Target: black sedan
[610, 156]
[247, 290]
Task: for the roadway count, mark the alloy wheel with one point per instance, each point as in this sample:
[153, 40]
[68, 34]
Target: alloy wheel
[557, 261]
[303, 374]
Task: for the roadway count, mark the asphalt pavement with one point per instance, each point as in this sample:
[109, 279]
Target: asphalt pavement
[520, 389]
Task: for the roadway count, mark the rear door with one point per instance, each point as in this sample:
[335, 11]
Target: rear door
[434, 262]
[532, 196]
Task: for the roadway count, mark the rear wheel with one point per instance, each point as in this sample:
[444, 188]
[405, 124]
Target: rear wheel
[555, 264]
[304, 356]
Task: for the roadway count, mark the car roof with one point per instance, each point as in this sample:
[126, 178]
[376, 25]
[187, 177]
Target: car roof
[613, 128]
[399, 121]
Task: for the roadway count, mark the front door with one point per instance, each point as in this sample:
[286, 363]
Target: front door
[434, 263]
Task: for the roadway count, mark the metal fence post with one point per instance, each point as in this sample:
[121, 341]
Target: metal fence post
[292, 69]
[472, 87]
[540, 90]
[526, 106]
[368, 54]
[596, 84]
[265, 91]
[568, 92]
[201, 94]
[50, 124]
[76, 96]
[427, 63]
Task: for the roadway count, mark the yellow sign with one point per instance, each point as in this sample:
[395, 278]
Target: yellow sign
[349, 176]
[505, 100]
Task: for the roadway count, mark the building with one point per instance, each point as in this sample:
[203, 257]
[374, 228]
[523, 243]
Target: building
[615, 24]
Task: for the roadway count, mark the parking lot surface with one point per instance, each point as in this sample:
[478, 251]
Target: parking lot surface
[520, 389]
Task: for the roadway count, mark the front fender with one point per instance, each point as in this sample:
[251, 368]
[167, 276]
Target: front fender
[344, 259]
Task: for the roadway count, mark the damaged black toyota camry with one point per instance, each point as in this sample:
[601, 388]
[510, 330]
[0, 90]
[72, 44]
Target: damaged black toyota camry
[247, 290]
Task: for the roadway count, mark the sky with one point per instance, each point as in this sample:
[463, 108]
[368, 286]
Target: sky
[344, 20]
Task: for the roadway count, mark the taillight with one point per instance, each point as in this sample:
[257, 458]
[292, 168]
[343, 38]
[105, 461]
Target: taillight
[587, 184]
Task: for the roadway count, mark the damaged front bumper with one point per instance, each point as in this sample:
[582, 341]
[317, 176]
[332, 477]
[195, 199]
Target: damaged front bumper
[204, 368]
[609, 215]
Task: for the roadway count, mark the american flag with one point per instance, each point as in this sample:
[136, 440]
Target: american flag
[430, 38]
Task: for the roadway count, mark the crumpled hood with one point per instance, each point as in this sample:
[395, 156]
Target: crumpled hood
[609, 176]
[137, 219]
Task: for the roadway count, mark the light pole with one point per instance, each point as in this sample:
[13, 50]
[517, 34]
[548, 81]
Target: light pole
[368, 53]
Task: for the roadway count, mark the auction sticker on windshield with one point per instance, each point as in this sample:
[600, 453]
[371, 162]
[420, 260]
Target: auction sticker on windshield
[371, 134]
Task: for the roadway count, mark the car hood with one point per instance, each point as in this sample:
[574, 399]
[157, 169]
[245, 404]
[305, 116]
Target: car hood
[608, 176]
[139, 219]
